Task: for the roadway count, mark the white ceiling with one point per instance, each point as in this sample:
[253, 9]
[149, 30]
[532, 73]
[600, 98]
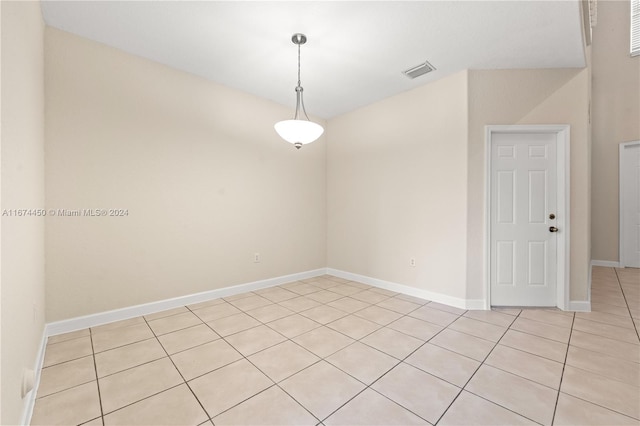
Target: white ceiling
[356, 49]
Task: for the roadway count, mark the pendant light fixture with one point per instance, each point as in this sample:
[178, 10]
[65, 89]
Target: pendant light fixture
[300, 130]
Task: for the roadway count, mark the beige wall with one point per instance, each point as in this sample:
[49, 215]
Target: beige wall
[206, 181]
[397, 188]
[406, 176]
[545, 96]
[616, 119]
[204, 190]
[22, 188]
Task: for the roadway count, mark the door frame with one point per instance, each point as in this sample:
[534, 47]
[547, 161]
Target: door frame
[562, 133]
[621, 201]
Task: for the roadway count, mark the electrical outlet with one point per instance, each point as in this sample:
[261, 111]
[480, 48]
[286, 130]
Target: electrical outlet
[256, 257]
[412, 262]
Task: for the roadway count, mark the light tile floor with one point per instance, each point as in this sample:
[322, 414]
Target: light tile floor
[333, 352]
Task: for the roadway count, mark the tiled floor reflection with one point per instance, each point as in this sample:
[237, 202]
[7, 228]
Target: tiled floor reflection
[335, 352]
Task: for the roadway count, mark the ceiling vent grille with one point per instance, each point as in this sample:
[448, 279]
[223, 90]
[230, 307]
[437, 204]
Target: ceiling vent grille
[419, 70]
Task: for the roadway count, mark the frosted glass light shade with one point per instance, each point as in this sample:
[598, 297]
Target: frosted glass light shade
[298, 131]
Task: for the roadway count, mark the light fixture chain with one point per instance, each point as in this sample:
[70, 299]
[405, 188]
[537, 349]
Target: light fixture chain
[299, 94]
[298, 65]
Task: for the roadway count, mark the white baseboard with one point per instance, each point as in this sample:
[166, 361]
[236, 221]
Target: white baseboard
[93, 320]
[580, 306]
[37, 368]
[475, 304]
[411, 291]
[607, 263]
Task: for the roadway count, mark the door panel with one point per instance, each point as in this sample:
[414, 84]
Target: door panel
[537, 190]
[523, 250]
[505, 257]
[506, 196]
[630, 205]
[537, 262]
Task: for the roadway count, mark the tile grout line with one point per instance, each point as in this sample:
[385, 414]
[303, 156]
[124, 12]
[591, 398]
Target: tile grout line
[320, 359]
[601, 406]
[615, 271]
[524, 351]
[223, 338]
[613, 379]
[256, 367]
[601, 375]
[267, 376]
[499, 405]
[369, 386]
[400, 361]
[464, 387]
[149, 362]
[610, 337]
[536, 335]
[144, 363]
[293, 398]
[403, 360]
[65, 389]
[483, 363]
[588, 401]
[142, 399]
[176, 367]
[325, 357]
[379, 327]
[564, 366]
[95, 368]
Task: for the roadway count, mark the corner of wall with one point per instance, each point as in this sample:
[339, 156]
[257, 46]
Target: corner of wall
[530, 97]
[202, 190]
[614, 111]
[22, 181]
[388, 176]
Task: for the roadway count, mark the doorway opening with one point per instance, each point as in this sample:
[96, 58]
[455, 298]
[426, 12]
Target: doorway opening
[630, 205]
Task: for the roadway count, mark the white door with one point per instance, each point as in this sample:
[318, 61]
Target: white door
[630, 205]
[523, 219]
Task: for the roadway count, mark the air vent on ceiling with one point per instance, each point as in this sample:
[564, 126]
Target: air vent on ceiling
[419, 70]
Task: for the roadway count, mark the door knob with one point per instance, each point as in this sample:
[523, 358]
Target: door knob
[553, 229]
